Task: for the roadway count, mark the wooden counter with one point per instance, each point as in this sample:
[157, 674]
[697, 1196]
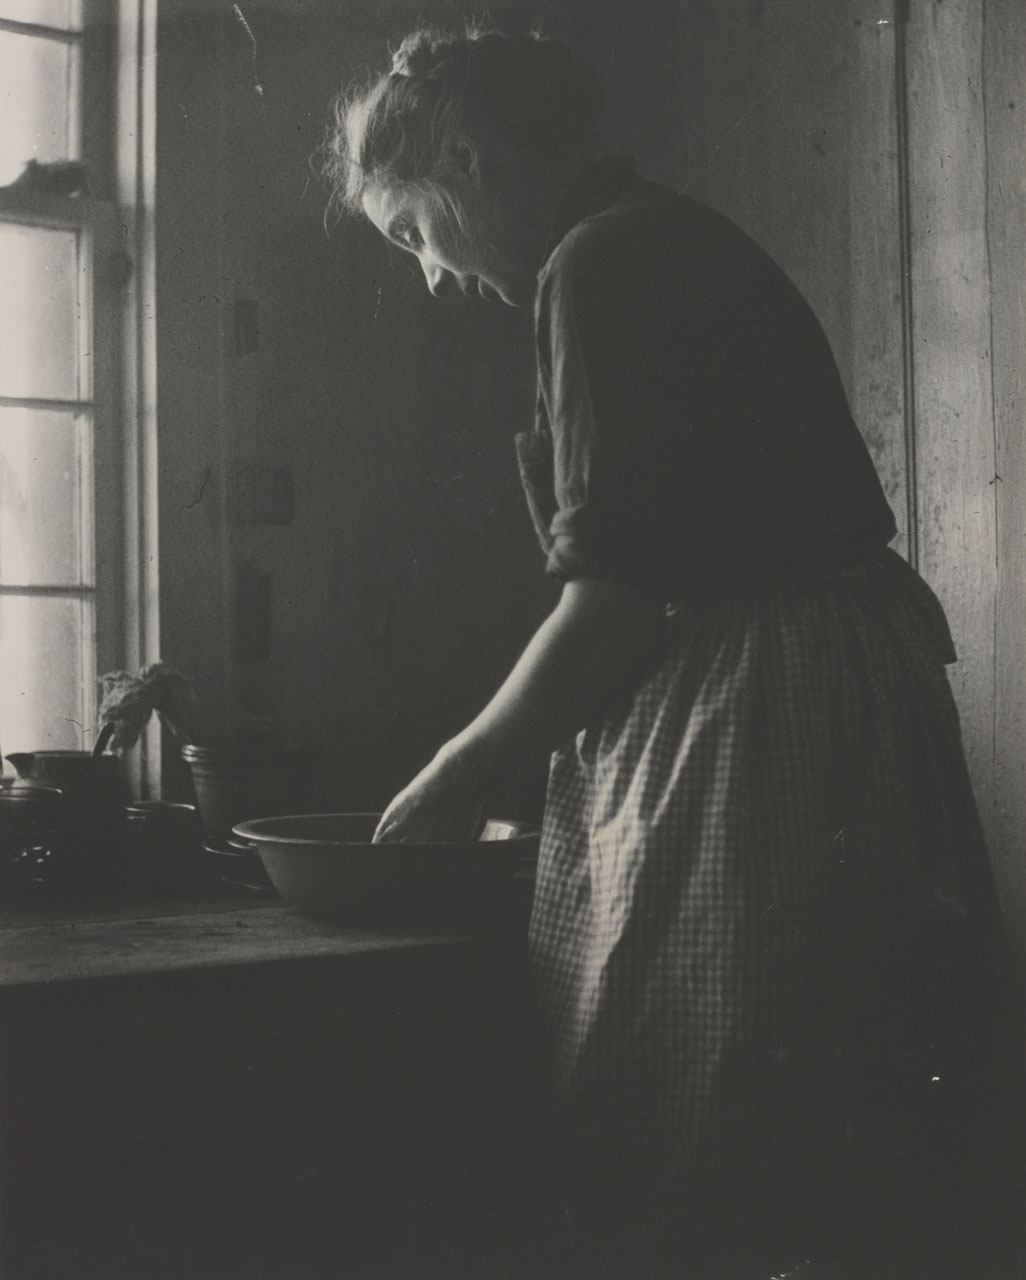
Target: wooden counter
[141, 939]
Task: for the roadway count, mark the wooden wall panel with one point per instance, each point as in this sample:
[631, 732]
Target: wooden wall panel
[877, 388]
[955, 453]
[762, 134]
[1005, 120]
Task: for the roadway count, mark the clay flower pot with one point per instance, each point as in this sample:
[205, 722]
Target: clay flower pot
[237, 781]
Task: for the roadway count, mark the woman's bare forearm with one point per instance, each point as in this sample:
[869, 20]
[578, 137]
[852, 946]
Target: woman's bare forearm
[595, 645]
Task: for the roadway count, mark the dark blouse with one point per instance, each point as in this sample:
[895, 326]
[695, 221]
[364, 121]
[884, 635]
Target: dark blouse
[692, 429]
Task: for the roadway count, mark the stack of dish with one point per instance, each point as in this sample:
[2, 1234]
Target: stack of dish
[236, 864]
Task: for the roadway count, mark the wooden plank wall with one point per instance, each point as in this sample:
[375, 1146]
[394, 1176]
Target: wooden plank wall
[879, 373]
[1004, 107]
[954, 440]
[965, 65]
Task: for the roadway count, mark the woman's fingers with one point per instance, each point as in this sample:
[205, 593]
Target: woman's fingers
[428, 827]
[383, 833]
[427, 813]
[389, 828]
[443, 803]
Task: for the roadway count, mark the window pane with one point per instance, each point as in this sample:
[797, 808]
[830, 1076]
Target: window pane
[44, 484]
[45, 645]
[35, 102]
[38, 312]
[47, 13]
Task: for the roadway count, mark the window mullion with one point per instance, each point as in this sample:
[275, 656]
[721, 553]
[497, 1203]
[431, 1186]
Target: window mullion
[136, 186]
[40, 31]
[35, 402]
[57, 592]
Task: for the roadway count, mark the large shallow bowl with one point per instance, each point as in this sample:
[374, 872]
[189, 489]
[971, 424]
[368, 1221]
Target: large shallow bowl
[326, 865]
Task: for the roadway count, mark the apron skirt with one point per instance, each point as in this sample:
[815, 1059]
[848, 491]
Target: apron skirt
[764, 914]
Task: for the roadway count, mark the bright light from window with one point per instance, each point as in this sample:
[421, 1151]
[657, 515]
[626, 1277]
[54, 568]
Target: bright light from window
[72, 87]
[45, 487]
[45, 648]
[36, 88]
[47, 558]
[39, 313]
[66, 14]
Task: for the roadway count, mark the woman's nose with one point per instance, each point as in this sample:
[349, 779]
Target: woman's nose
[439, 281]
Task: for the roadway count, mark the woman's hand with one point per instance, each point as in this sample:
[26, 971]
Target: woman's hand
[443, 803]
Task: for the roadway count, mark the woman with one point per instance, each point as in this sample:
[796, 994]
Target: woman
[762, 895]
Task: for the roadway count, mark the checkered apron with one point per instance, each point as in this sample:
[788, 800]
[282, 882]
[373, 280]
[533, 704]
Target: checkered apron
[761, 886]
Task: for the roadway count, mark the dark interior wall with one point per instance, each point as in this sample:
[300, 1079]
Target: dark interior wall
[189, 326]
[407, 579]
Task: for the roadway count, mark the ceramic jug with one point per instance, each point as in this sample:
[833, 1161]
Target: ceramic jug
[94, 796]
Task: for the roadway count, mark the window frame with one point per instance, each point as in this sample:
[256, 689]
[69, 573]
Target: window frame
[92, 222]
[117, 391]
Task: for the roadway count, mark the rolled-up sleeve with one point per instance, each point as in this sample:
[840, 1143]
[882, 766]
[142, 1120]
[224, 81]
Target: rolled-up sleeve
[614, 409]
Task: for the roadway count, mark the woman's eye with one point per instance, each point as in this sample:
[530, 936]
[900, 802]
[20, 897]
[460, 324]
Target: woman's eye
[413, 238]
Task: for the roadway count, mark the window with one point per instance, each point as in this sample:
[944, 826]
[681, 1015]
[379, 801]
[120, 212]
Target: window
[67, 262]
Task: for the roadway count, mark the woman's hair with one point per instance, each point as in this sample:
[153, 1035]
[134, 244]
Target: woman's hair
[400, 128]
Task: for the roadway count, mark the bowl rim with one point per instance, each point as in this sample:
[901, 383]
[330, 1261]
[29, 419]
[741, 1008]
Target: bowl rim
[246, 831]
[218, 750]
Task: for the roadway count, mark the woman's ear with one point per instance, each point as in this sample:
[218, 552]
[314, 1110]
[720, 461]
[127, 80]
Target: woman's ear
[467, 160]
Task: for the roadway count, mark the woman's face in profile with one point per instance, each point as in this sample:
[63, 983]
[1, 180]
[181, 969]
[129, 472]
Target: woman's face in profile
[490, 253]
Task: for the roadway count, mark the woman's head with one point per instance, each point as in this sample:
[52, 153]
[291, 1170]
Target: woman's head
[468, 130]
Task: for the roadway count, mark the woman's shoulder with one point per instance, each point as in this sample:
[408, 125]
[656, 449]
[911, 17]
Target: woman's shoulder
[650, 231]
[665, 251]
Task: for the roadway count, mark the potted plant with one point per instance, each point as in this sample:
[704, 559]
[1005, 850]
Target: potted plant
[232, 780]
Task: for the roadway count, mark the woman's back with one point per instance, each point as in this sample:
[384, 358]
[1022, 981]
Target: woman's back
[690, 391]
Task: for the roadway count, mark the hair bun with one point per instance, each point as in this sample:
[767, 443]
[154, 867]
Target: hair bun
[413, 55]
[424, 54]
[534, 82]
[401, 127]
